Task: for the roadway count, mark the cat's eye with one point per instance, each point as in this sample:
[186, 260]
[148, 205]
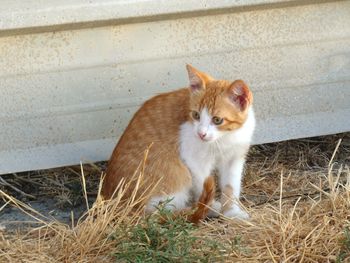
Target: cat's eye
[217, 120]
[195, 115]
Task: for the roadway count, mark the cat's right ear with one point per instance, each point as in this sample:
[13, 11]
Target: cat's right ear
[197, 79]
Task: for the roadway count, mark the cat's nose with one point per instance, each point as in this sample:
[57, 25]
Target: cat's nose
[202, 135]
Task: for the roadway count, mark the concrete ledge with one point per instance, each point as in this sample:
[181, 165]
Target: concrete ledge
[17, 15]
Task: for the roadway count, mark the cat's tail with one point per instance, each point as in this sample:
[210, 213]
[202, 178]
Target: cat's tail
[205, 200]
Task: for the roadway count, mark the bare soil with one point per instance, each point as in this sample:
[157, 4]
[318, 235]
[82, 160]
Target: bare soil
[57, 194]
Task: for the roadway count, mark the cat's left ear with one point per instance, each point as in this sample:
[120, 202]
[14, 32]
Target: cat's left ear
[240, 95]
[198, 80]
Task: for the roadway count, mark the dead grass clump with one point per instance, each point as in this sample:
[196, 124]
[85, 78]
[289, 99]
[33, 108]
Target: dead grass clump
[302, 229]
[87, 241]
[297, 193]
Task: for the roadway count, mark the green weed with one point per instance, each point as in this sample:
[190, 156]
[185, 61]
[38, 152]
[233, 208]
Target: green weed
[162, 238]
[345, 246]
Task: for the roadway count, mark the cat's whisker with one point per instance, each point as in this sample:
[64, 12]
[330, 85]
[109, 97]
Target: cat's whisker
[219, 147]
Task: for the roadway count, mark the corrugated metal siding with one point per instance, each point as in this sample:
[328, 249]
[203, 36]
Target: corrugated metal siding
[67, 95]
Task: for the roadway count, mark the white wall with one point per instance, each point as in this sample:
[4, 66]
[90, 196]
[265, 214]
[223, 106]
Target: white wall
[73, 72]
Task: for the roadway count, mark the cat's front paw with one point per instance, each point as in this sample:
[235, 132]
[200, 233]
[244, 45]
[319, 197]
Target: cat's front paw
[215, 209]
[236, 212]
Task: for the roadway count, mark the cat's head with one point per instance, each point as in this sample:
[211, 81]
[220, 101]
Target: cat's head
[217, 106]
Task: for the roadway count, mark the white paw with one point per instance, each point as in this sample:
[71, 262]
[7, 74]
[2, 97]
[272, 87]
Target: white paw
[215, 209]
[236, 212]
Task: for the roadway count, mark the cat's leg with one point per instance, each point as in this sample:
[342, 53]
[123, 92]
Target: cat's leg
[197, 184]
[175, 202]
[215, 209]
[199, 169]
[230, 184]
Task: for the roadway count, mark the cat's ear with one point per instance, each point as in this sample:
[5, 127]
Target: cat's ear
[240, 95]
[197, 79]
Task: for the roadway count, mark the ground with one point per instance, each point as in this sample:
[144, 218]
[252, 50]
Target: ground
[297, 193]
[56, 193]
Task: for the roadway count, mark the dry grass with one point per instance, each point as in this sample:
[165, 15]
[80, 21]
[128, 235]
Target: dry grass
[297, 192]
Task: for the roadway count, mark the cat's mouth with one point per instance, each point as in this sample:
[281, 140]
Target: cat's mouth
[206, 139]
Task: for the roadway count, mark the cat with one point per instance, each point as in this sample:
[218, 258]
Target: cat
[189, 132]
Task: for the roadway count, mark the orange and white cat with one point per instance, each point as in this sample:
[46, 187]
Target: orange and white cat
[193, 131]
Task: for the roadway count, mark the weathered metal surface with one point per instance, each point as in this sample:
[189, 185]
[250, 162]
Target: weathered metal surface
[66, 95]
